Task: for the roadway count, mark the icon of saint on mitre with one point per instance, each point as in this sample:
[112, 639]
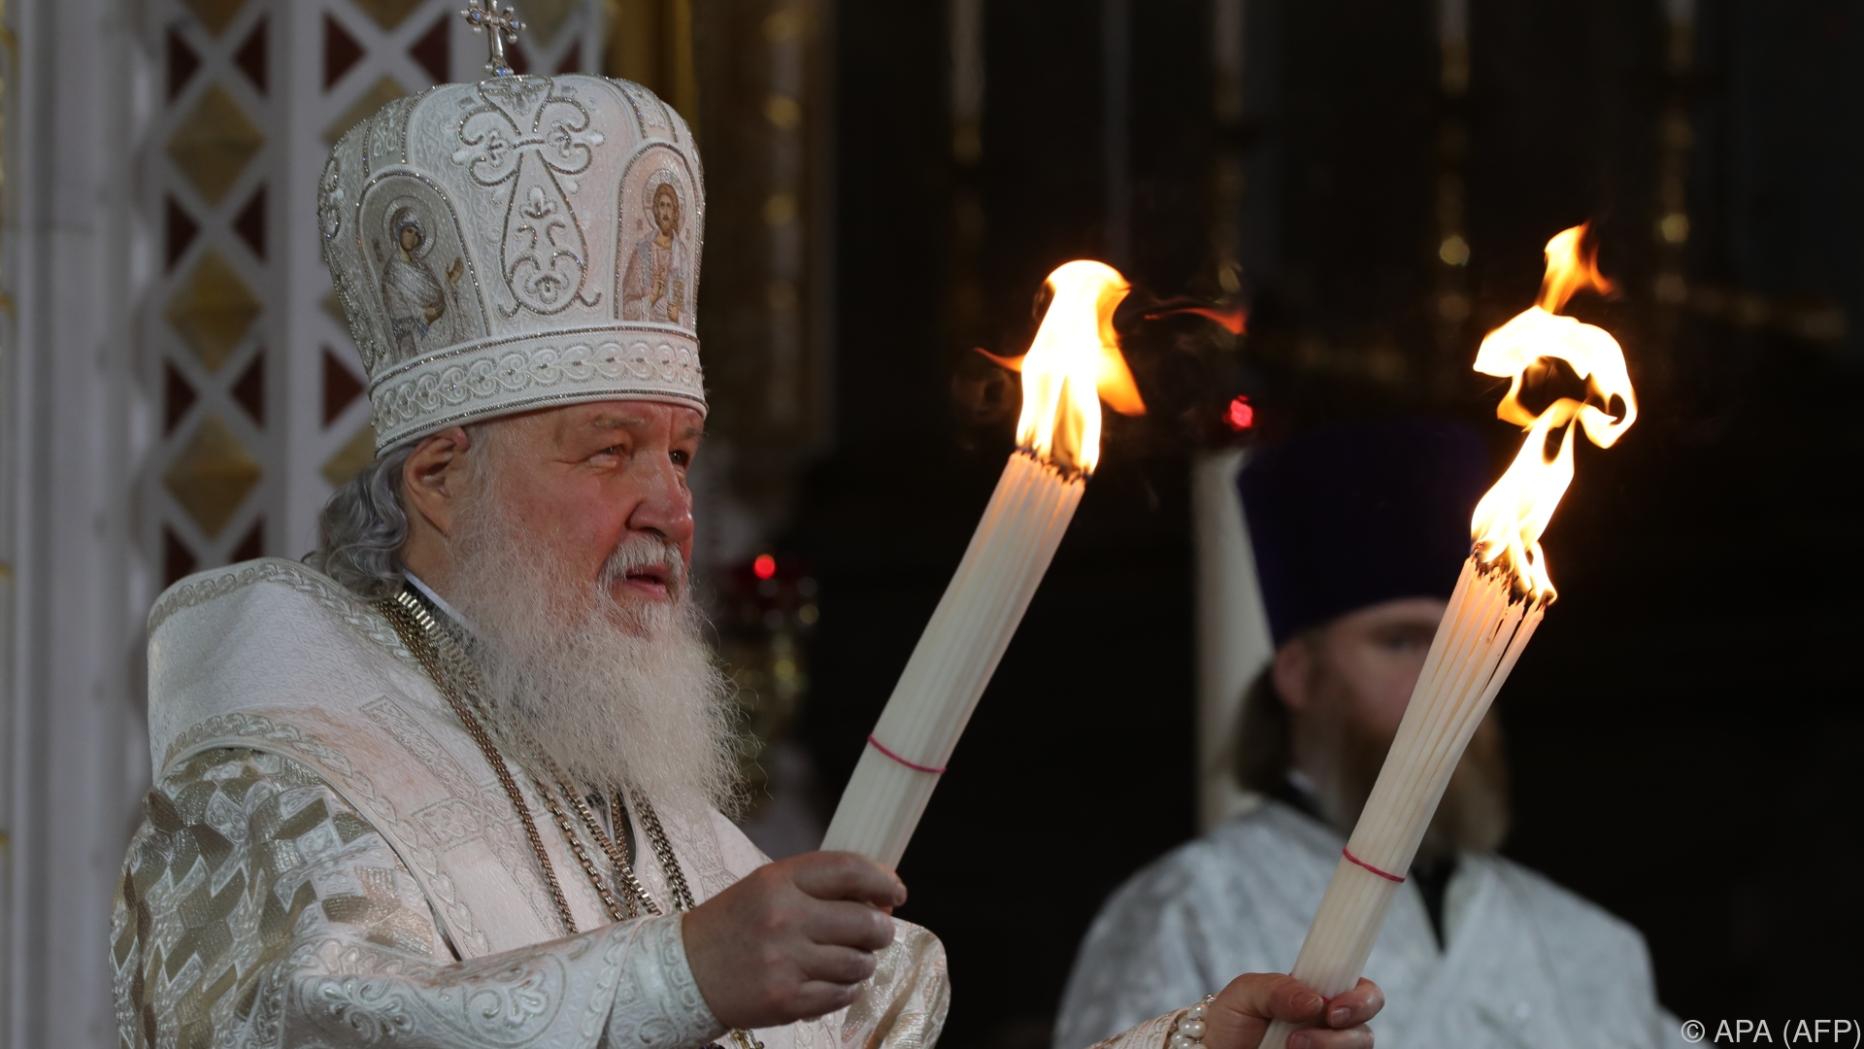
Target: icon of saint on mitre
[414, 298]
[653, 288]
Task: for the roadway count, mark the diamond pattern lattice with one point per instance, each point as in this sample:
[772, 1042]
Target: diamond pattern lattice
[216, 15]
[212, 476]
[214, 143]
[213, 310]
[389, 13]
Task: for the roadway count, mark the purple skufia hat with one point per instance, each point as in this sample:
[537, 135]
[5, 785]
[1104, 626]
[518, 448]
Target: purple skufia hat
[1351, 516]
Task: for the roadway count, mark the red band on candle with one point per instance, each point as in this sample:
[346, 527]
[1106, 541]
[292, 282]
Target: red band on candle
[914, 765]
[1387, 875]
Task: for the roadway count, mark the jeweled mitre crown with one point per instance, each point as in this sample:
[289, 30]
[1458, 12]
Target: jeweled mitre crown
[514, 244]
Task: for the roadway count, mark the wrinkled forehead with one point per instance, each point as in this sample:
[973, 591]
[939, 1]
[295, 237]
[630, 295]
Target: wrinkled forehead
[573, 423]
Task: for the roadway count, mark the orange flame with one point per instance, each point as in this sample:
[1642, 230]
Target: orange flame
[1233, 319]
[1072, 365]
[1509, 520]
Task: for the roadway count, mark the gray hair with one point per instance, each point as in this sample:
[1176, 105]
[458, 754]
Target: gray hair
[362, 528]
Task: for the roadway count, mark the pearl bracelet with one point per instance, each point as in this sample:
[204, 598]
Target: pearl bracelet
[1188, 1031]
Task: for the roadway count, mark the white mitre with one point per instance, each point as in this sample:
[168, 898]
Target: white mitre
[521, 242]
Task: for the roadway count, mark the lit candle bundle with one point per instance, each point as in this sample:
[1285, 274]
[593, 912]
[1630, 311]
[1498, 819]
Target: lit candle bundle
[1073, 362]
[1500, 597]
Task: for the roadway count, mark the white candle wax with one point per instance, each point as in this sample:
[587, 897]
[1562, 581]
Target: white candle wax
[946, 675]
[1477, 643]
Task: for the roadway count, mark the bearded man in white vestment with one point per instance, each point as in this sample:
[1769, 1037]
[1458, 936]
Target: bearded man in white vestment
[461, 778]
[1359, 533]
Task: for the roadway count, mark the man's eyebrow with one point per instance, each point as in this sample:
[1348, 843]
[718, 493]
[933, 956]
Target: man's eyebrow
[610, 421]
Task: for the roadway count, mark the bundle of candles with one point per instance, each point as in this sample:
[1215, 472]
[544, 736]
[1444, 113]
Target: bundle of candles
[1072, 364]
[1500, 597]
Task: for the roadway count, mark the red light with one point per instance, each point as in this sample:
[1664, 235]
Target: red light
[765, 567]
[1242, 414]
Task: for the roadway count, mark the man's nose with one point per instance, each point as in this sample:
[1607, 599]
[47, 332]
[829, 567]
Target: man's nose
[666, 506]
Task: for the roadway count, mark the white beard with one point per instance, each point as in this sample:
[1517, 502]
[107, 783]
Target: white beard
[619, 694]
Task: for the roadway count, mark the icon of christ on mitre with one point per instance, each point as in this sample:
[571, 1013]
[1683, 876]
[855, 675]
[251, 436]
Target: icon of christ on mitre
[461, 777]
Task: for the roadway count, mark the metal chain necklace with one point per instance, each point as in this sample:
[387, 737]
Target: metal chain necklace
[617, 849]
[421, 635]
[415, 624]
[618, 910]
[434, 648]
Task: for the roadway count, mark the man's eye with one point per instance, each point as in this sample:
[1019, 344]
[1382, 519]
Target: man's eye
[613, 449]
[681, 458]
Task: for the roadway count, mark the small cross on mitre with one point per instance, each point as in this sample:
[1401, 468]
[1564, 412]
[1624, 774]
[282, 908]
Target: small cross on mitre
[500, 24]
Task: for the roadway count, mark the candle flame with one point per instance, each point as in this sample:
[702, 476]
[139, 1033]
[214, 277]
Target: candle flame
[1072, 365]
[1509, 520]
[1233, 319]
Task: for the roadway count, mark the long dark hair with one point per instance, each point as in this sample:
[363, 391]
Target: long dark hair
[1262, 747]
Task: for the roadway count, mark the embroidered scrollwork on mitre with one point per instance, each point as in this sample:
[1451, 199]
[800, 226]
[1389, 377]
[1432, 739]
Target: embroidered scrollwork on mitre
[538, 141]
[507, 378]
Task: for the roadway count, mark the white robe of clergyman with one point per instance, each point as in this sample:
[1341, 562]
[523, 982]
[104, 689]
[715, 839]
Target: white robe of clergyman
[1527, 964]
[327, 861]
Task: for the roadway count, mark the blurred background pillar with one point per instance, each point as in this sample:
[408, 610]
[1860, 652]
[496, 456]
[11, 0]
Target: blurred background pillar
[73, 761]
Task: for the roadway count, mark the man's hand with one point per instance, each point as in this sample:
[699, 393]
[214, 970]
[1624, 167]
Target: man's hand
[1241, 1012]
[792, 940]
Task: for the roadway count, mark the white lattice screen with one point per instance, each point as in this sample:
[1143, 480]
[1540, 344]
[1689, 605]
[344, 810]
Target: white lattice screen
[260, 393]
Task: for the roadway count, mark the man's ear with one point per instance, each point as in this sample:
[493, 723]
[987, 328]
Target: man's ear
[434, 477]
[1292, 669]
